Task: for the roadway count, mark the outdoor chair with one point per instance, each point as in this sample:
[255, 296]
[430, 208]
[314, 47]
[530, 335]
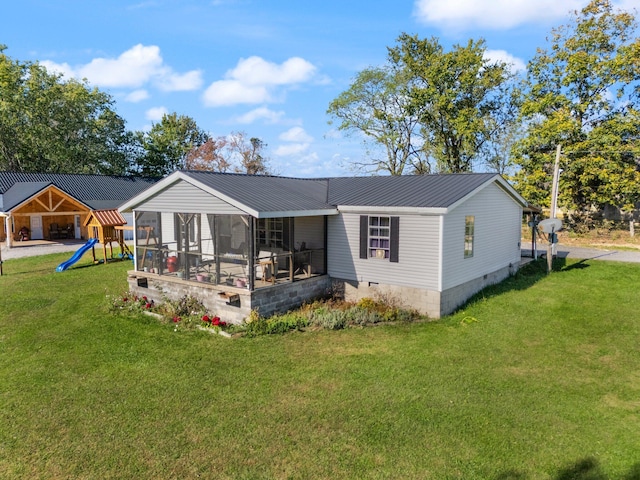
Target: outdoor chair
[53, 231]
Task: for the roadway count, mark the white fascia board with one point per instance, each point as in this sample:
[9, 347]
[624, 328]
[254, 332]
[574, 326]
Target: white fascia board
[393, 210]
[297, 213]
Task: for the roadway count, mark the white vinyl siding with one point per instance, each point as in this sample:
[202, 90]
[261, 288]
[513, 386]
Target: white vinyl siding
[496, 238]
[418, 245]
[184, 197]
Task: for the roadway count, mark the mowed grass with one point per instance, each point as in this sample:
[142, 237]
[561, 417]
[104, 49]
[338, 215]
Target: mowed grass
[537, 378]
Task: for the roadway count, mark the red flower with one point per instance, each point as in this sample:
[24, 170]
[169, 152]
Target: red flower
[205, 318]
[222, 324]
[176, 319]
[144, 298]
[216, 321]
[148, 305]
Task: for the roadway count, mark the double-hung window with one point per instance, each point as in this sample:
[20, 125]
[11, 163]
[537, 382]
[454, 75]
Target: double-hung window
[379, 237]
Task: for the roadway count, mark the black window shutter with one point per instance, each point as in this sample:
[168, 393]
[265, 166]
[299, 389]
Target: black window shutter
[364, 236]
[395, 237]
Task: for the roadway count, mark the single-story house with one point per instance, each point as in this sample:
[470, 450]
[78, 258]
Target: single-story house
[54, 205]
[240, 242]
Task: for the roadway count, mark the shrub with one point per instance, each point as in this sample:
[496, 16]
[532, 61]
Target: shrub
[257, 325]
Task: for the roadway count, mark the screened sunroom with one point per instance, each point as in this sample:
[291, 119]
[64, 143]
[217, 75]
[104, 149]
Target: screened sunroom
[233, 250]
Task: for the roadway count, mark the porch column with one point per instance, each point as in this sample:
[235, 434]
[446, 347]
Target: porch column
[7, 229]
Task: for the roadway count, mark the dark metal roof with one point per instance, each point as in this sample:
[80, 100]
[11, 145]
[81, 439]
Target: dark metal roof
[430, 191]
[271, 194]
[266, 193]
[96, 191]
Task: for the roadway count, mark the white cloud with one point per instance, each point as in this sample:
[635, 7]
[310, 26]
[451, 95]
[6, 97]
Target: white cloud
[137, 96]
[291, 149]
[517, 64]
[63, 69]
[155, 114]
[262, 113]
[255, 80]
[499, 14]
[296, 134]
[175, 82]
[257, 71]
[134, 68]
[233, 92]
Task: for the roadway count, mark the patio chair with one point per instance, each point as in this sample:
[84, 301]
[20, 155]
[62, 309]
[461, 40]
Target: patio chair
[54, 232]
[24, 234]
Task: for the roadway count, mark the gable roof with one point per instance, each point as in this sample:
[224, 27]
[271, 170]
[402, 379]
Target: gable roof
[106, 218]
[95, 191]
[270, 196]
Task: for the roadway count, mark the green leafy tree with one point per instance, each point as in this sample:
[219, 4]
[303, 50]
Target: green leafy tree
[48, 124]
[460, 98]
[376, 105]
[168, 143]
[582, 93]
[431, 110]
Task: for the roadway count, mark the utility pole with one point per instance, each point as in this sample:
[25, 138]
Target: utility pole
[554, 201]
[556, 179]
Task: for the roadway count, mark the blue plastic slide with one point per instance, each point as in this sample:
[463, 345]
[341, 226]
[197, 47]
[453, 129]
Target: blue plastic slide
[76, 256]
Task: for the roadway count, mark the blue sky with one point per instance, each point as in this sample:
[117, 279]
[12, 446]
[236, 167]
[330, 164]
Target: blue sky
[269, 68]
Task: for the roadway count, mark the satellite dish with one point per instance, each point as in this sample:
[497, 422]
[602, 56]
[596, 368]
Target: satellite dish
[550, 225]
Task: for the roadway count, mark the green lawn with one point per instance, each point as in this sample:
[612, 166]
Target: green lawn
[536, 379]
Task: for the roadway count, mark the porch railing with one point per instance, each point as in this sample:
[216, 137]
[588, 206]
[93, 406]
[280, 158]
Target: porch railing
[231, 269]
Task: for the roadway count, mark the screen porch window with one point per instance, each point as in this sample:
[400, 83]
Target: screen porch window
[469, 227]
[379, 237]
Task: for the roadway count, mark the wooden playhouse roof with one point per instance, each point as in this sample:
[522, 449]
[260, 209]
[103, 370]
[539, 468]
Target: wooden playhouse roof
[105, 218]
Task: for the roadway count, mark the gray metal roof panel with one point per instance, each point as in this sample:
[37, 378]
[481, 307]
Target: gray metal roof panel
[426, 191]
[21, 191]
[267, 193]
[96, 191]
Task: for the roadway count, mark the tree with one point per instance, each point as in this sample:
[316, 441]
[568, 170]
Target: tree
[431, 110]
[248, 154]
[209, 156]
[460, 98]
[51, 125]
[377, 106]
[168, 143]
[582, 93]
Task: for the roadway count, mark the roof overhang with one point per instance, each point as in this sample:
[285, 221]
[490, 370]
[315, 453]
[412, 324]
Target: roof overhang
[502, 184]
[176, 177]
[43, 187]
[392, 210]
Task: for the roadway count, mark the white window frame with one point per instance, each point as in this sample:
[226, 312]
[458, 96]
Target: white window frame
[469, 235]
[379, 237]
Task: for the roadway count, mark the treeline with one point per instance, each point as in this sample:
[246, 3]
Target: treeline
[55, 125]
[429, 110]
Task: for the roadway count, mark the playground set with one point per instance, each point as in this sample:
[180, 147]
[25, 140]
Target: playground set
[104, 227]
